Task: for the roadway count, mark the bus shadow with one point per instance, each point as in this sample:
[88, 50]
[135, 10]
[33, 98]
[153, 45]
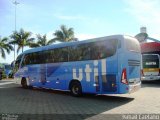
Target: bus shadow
[154, 83]
[88, 102]
[85, 96]
[59, 104]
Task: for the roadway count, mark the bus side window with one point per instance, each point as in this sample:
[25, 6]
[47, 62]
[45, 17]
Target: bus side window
[50, 56]
[75, 53]
[98, 50]
[17, 65]
[25, 60]
[95, 52]
[104, 49]
[85, 52]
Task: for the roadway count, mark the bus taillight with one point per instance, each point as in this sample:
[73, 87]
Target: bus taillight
[124, 76]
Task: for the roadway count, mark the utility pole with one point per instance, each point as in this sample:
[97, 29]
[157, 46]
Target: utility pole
[15, 3]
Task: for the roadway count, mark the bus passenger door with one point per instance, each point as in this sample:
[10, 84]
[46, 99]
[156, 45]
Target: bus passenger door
[56, 76]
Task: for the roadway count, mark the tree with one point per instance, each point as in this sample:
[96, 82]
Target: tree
[5, 46]
[22, 39]
[42, 41]
[64, 34]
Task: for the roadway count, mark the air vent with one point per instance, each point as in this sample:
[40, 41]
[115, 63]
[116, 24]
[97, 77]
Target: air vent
[133, 62]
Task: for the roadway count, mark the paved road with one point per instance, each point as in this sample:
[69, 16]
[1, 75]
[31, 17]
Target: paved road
[16, 100]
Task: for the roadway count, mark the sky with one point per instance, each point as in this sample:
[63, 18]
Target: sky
[88, 18]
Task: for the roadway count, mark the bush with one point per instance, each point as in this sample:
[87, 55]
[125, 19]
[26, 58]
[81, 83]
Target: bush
[3, 75]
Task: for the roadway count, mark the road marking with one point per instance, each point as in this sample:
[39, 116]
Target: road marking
[6, 83]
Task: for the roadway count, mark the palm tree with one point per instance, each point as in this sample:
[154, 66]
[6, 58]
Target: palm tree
[64, 34]
[22, 39]
[42, 41]
[5, 46]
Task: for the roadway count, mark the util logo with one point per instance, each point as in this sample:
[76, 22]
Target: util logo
[87, 71]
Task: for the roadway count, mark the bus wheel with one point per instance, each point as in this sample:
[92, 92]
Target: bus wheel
[76, 89]
[24, 83]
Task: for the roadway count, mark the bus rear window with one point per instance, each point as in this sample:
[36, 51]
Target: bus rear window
[150, 61]
[132, 45]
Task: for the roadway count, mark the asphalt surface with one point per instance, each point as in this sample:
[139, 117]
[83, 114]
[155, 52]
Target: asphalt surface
[19, 103]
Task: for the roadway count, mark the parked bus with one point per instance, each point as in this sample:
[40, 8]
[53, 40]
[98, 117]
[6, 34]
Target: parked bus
[150, 61]
[106, 65]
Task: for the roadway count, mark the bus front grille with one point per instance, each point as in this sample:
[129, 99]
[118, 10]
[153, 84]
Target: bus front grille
[133, 62]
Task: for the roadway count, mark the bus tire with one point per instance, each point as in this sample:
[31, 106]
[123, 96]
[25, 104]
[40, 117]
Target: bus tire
[76, 89]
[24, 83]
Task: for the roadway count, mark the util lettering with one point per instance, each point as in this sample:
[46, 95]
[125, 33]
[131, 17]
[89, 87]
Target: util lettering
[87, 71]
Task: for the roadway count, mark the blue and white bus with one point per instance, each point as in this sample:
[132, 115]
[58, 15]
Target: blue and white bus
[105, 65]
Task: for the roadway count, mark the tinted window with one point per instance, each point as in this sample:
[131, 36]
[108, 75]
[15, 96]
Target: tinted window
[93, 50]
[35, 58]
[61, 55]
[42, 57]
[80, 52]
[50, 56]
[88, 51]
[17, 63]
[85, 53]
[104, 49]
[74, 53]
[26, 60]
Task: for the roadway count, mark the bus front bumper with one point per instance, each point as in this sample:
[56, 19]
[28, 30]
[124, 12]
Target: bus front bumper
[150, 78]
[135, 87]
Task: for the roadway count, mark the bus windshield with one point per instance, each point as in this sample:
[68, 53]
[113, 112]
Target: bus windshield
[17, 63]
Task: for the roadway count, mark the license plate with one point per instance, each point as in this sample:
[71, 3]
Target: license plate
[151, 77]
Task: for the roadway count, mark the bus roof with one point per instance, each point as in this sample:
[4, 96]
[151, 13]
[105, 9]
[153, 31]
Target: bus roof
[65, 44]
